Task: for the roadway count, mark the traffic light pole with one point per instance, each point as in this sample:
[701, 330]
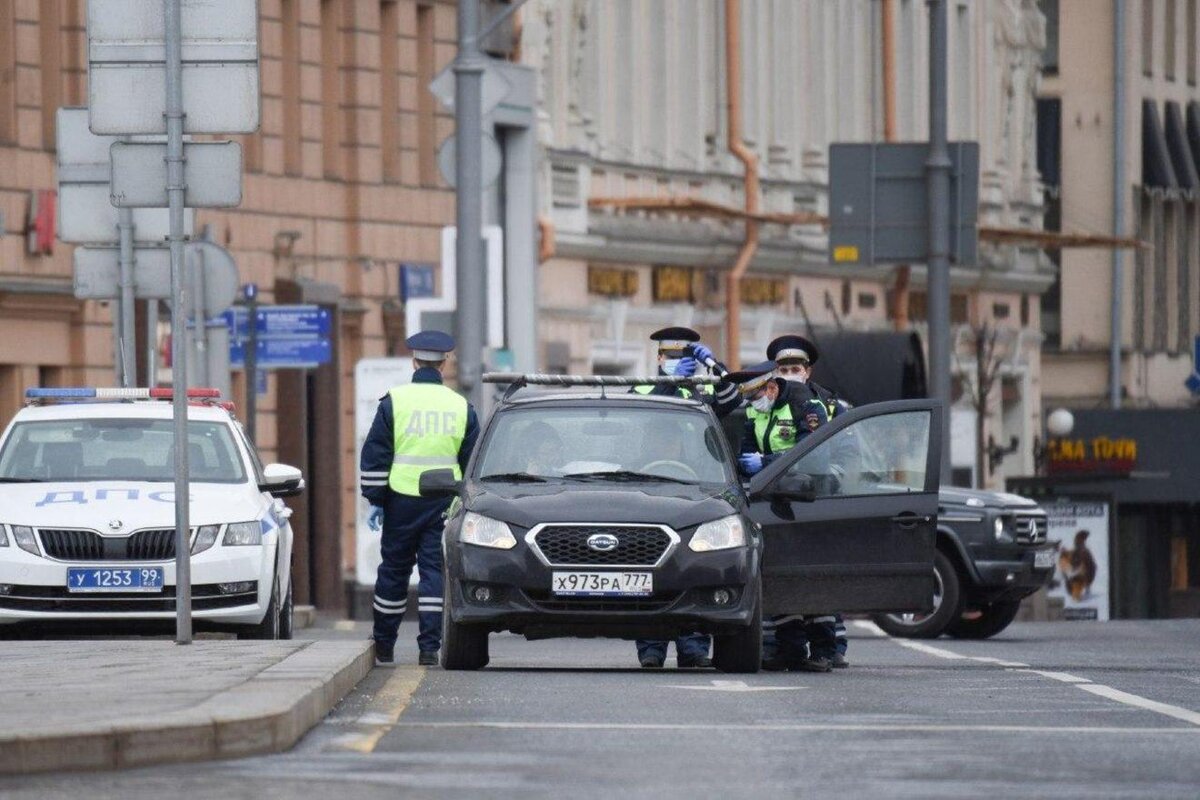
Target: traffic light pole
[938, 171]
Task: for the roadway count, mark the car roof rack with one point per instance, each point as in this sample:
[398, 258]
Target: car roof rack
[519, 380]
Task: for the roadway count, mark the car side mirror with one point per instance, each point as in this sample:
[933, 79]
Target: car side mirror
[439, 483]
[280, 480]
[794, 487]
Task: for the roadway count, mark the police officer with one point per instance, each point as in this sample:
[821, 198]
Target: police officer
[680, 353]
[781, 414]
[796, 356]
[418, 427]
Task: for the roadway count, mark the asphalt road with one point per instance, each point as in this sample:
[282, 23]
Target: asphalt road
[1066, 710]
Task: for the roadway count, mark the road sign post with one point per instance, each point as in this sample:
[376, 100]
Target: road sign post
[939, 226]
[251, 294]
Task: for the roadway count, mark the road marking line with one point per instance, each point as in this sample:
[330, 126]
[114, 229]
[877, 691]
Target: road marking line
[384, 711]
[999, 661]
[1128, 699]
[734, 686]
[870, 627]
[799, 728]
[1098, 689]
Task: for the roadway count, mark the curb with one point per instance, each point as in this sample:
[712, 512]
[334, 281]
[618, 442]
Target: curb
[266, 714]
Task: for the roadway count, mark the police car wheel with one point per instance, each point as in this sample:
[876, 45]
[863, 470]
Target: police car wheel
[741, 652]
[992, 620]
[269, 627]
[464, 647]
[947, 606]
[287, 611]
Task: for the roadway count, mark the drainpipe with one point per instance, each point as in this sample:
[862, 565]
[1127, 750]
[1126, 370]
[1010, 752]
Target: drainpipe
[1118, 254]
[733, 79]
[900, 297]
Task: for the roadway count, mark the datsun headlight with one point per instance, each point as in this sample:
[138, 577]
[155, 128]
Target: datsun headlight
[25, 539]
[206, 537]
[3, 536]
[242, 533]
[486, 532]
[720, 534]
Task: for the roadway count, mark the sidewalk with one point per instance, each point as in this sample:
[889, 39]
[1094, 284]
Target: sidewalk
[94, 704]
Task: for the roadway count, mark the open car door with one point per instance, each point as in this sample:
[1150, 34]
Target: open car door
[849, 515]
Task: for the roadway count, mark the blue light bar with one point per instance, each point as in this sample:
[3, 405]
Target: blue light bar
[56, 394]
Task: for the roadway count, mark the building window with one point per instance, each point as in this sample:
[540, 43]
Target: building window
[1170, 36]
[8, 72]
[1148, 38]
[331, 88]
[1192, 43]
[1049, 162]
[426, 109]
[1050, 54]
[292, 128]
[389, 87]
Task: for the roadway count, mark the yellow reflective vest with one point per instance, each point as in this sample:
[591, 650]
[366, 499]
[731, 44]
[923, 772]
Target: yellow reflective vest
[429, 423]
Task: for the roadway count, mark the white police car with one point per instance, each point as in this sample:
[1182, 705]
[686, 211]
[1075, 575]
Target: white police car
[87, 517]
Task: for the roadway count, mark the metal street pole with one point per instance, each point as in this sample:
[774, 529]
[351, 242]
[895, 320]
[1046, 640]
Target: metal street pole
[938, 171]
[1116, 302]
[183, 566]
[125, 312]
[250, 292]
[469, 248]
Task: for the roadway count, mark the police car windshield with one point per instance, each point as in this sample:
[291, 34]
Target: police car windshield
[117, 449]
[550, 443]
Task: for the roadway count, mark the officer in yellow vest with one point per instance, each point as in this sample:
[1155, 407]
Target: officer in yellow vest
[781, 414]
[418, 427]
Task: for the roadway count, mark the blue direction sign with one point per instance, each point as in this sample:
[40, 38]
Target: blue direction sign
[280, 321]
[284, 353]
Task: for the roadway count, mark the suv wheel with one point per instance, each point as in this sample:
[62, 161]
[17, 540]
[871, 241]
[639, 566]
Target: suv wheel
[269, 627]
[464, 647]
[741, 652]
[947, 605]
[994, 618]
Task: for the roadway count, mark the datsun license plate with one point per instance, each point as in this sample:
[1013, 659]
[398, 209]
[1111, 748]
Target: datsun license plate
[114, 579]
[1043, 558]
[603, 584]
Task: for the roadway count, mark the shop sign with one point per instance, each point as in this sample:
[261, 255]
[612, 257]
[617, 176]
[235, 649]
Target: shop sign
[673, 285]
[763, 291]
[612, 282]
[1097, 454]
[1080, 530]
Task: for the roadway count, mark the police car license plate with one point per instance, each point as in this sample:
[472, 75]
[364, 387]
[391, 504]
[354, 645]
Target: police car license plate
[1043, 558]
[603, 584]
[114, 579]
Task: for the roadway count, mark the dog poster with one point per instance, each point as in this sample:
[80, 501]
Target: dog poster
[1080, 530]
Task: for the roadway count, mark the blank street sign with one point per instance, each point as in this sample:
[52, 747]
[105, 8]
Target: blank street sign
[220, 275]
[212, 174]
[97, 273]
[86, 215]
[127, 66]
[493, 88]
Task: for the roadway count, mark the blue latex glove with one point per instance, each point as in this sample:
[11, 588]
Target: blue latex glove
[686, 368]
[375, 521]
[750, 463]
[702, 353]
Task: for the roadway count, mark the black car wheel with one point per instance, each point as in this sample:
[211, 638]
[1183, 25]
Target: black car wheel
[741, 652]
[464, 647]
[269, 627]
[994, 618]
[947, 606]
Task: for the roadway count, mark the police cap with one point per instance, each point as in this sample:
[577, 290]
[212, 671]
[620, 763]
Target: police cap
[792, 347]
[750, 379]
[430, 345]
[674, 341]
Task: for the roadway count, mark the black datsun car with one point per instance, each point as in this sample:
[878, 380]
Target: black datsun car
[604, 513]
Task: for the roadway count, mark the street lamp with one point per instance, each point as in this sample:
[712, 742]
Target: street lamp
[1059, 423]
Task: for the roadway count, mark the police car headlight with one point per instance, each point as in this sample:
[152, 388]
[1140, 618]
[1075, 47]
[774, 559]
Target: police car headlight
[486, 532]
[3, 536]
[206, 537]
[720, 534]
[25, 539]
[242, 533]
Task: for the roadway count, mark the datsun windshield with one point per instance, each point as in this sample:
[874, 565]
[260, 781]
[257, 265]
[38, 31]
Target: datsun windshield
[618, 444]
[117, 449]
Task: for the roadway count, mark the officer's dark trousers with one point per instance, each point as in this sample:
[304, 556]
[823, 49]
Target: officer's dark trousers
[839, 634]
[411, 525]
[793, 637]
[690, 645]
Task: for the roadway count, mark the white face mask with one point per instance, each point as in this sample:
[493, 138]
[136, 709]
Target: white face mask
[669, 365]
[763, 404]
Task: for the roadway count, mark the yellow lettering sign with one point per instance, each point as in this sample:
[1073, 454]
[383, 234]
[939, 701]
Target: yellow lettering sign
[612, 282]
[673, 285]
